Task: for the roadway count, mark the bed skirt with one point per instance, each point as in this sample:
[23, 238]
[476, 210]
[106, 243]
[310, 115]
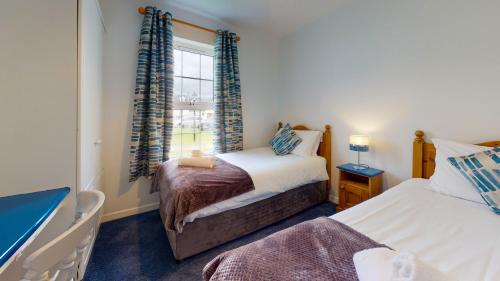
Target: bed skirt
[208, 232]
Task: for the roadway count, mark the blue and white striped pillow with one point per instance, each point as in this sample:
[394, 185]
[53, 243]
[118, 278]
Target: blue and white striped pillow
[285, 141]
[483, 171]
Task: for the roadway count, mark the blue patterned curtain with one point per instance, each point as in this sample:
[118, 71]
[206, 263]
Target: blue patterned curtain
[153, 111]
[228, 123]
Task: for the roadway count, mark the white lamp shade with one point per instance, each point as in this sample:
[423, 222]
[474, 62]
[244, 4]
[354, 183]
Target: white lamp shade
[359, 140]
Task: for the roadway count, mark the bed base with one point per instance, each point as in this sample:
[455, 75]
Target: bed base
[205, 233]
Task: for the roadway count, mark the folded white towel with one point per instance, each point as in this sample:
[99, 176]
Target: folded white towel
[203, 162]
[407, 267]
[374, 264]
[196, 153]
[382, 264]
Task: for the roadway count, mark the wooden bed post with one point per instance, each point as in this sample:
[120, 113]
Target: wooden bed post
[418, 155]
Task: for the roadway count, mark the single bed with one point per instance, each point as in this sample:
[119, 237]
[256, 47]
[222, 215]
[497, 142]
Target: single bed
[461, 238]
[284, 185]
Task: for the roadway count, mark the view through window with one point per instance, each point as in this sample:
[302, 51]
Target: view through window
[193, 98]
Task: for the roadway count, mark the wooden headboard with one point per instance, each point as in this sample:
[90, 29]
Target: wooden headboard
[325, 147]
[424, 155]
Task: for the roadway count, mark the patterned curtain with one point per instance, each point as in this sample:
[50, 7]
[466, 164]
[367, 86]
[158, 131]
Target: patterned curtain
[228, 123]
[153, 110]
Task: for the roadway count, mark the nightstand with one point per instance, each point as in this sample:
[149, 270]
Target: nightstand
[356, 186]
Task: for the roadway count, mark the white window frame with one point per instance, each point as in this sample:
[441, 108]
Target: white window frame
[198, 48]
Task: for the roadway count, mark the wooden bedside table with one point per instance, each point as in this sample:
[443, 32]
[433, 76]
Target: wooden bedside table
[356, 186]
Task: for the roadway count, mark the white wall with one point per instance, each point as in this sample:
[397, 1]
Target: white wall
[389, 67]
[121, 44]
[259, 69]
[38, 95]
[91, 37]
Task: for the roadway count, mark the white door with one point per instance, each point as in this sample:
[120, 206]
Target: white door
[91, 33]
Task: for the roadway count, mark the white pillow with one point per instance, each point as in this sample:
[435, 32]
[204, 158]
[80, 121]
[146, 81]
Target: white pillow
[310, 143]
[446, 178]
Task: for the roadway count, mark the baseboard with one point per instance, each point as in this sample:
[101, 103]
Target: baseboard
[129, 212]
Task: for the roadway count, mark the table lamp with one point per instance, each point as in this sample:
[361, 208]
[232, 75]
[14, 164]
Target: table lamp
[359, 143]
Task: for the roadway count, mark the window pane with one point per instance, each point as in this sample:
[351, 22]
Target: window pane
[207, 91]
[176, 144]
[190, 121]
[190, 142]
[177, 62]
[190, 131]
[177, 122]
[207, 67]
[190, 65]
[193, 123]
[206, 127]
[190, 90]
[177, 89]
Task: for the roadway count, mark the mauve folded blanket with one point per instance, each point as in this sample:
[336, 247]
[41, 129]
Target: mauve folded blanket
[320, 249]
[184, 190]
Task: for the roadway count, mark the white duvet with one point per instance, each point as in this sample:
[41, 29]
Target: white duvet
[271, 175]
[460, 238]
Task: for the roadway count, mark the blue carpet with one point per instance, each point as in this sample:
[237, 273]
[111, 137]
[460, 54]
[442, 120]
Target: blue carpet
[136, 248]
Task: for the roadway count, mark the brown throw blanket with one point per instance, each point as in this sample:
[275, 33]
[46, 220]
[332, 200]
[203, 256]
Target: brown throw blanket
[320, 249]
[184, 190]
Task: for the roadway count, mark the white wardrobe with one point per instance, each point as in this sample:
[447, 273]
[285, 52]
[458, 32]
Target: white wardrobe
[50, 95]
[50, 101]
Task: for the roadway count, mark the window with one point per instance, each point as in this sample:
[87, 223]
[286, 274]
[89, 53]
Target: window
[193, 98]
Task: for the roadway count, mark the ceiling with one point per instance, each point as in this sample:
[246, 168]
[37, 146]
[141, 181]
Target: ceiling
[278, 17]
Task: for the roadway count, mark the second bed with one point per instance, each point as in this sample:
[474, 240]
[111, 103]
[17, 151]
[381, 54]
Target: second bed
[283, 186]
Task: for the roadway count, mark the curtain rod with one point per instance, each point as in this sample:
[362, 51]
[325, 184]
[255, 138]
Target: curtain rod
[142, 11]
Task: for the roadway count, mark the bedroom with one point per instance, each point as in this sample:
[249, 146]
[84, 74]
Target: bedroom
[382, 69]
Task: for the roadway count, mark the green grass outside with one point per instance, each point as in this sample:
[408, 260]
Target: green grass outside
[188, 139]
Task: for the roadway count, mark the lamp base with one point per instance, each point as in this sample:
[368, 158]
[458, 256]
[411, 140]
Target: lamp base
[360, 166]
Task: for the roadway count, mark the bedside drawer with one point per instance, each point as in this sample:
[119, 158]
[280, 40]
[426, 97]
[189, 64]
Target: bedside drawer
[352, 193]
[356, 187]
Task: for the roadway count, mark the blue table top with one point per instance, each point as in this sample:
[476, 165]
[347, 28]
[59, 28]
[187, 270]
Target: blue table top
[21, 215]
[369, 172]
